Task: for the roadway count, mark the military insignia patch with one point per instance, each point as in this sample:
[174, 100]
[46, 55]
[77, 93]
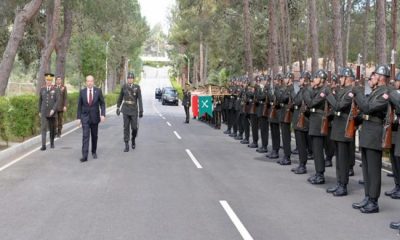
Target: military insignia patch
[385, 96]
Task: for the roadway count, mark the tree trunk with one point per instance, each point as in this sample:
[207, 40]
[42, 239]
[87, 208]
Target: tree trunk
[394, 25]
[63, 42]
[247, 41]
[22, 18]
[337, 34]
[314, 36]
[205, 64]
[201, 55]
[348, 23]
[307, 39]
[288, 35]
[282, 36]
[53, 20]
[365, 34]
[381, 33]
[273, 57]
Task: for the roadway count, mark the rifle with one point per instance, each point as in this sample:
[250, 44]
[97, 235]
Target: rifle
[265, 109]
[301, 119]
[272, 114]
[350, 129]
[358, 68]
[387, 128]
[253, 107]
[325, 121]
[288, 113]
[392, 65]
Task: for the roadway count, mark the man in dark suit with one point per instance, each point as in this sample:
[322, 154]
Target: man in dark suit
[91, 111]
[186, 102]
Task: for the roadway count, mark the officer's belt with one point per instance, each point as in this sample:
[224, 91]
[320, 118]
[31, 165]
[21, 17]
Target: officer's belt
[341, 114]
[296, 107]
[372, 118]
[261, 102]
[316, 110]
[129, 102]
[282, 105]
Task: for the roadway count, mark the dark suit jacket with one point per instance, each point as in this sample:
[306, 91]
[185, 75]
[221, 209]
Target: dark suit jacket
[91, 114]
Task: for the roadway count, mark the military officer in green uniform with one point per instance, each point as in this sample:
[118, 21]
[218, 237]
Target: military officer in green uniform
[341, 104]
[62, 106]
[262, 114]
[48, 103]
[186, 102]
[274, 117]
[374, 108]
[132, 107]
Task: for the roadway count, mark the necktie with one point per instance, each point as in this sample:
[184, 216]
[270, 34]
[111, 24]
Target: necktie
[90, 97]
[48, 89]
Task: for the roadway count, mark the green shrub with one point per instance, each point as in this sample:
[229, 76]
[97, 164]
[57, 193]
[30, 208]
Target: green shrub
[23, 117]
[72, 107]
[111, 99]
[177, 87]
[4, 130]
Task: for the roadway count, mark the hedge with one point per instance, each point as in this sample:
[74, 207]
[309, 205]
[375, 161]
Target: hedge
[19, 116]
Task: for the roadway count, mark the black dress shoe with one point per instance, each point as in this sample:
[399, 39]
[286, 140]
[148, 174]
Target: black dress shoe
[295, 151]
[351, 172]
[126, 147]
[395, 225]
[361, 182]
[310, 157]
[262, 150]
[319, 179]
[295, 168]
[370, 207]
[328, 163]
[233, 135]
[83, 159]
[361, 204]
[341, 191]
[273, 155]
[244, 141]
[94, 155]
[285, 161]
[253, 145]
[395, 189]
[301, 170]
[133, 146]
[332, 189]
[396, 195]
[311, 178]
[43, 148]
[390, 174]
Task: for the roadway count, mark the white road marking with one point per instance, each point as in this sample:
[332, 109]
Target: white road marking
[169, 124]
[236, 221]
[35, 150]
[163, 118]
[177, 135]
[160, 115]
[193, 159]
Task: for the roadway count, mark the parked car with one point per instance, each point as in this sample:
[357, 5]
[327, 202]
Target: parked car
[158, 93]
[170, 96]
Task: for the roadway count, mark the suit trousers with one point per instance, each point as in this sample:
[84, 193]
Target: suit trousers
[342, 161]
[371, 167]
[264, 128]
[187, 113]
[275, 136]
[246, 126]
[50, 124]
[254, 127]
[286, 139]
[301, 142]
[318, 150]
[89, 130]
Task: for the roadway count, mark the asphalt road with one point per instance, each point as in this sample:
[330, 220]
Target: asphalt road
[181, 182]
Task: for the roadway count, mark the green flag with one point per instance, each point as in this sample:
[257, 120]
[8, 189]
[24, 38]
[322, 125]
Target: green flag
[205, 105]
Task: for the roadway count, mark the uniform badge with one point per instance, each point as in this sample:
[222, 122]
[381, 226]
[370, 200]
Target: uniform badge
[385, 96]
[351, 94]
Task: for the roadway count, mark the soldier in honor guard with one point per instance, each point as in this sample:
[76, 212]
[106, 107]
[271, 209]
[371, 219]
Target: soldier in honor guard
[237, 126]
[274, 117]
[240, 103]
[341, 104]
[230, 100]
[285, 101]
[48, 103]
[254, 107]
[300, 122]
[374, 110]
[329, 144]
[248, 99]
[186, 102]
[62, 106]
[262, 114]
[218, 110]
[131, 109]
[316, 103]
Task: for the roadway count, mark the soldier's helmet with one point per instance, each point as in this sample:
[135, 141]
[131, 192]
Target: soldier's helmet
[131, 75]
[383, 70]
[335, 78]
[346, 72]
[320, 73]
[290, 75]
[397, 78]
[278, 76]
[306, 75]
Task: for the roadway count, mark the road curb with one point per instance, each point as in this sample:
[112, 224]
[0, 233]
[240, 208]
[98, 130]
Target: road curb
[18, 149]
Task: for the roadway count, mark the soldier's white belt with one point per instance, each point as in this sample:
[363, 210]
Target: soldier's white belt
[315, 110]
[296, 107]
[341, 114]
[129, 102]
[282, 104]
[371, 118]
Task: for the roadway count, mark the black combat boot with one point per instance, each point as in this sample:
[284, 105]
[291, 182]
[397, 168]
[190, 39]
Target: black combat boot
[233, 135]
[285, 161]
[301, 170]
[361, 204]
[351, 172]
[262, 150]
[328, 162]
[341, 191]
[244, 141]
[228, 131]
[312, 178]
[273, 155]
[319, 179]
[395, 225]
[371, 206]
[253, 145]
[43, 148]
[295, 168]
[134, 133]
[52, 144]
[333, 189]
[239, 137]
[126, 147]
[295, 151]
[391, 192]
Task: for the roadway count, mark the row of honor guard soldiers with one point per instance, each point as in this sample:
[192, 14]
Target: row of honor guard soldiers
[324, 111]
[52, 105]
